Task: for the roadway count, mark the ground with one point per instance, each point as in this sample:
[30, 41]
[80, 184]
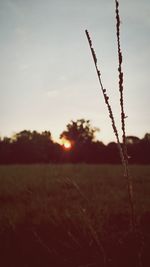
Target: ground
[73, 216]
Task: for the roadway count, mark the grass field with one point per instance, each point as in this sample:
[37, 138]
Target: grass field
[73, 216]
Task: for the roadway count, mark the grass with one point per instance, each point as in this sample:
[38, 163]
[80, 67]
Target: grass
[77, 215]
[122, 148]
[72, 215]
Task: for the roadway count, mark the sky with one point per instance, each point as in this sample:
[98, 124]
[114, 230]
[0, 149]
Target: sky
[47, 75]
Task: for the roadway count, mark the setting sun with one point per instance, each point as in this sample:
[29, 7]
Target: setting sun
[66, 144]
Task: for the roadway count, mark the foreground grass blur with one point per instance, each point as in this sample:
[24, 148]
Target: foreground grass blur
[79, 212]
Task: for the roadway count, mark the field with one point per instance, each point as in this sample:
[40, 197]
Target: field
[73, 216]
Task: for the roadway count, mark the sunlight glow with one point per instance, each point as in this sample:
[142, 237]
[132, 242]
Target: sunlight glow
[66, 144]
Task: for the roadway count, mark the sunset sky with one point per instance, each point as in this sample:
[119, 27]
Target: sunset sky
[47, 76]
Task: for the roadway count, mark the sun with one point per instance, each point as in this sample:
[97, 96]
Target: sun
[66, 144]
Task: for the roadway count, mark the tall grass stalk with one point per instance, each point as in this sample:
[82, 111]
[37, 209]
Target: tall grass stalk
[122, 150]
[106, 98]
[123, 116]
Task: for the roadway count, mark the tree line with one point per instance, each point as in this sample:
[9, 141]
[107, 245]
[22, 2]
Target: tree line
[29, 147]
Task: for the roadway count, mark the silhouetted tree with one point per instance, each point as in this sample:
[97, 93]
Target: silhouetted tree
[147, 137]
[81, 134]
[144, 149]
[32, 147]
[132, 140]
[113, 155]
[139, 150]
[5, 151]
[79, 131]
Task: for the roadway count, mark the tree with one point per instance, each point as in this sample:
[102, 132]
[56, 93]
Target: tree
[81, 135]
[113, 155]
[147, 137]
[79, 132]
[132, 140]
[33, 147]
[144, 149]
[5, 151]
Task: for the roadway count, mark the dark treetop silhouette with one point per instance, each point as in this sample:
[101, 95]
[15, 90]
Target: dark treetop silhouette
[28, 147]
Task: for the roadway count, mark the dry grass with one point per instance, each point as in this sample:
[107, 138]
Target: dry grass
[48, 220]
[123, 148]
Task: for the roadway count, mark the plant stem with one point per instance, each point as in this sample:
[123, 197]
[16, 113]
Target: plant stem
[123, 117]
[106, 98]
[123, 152]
